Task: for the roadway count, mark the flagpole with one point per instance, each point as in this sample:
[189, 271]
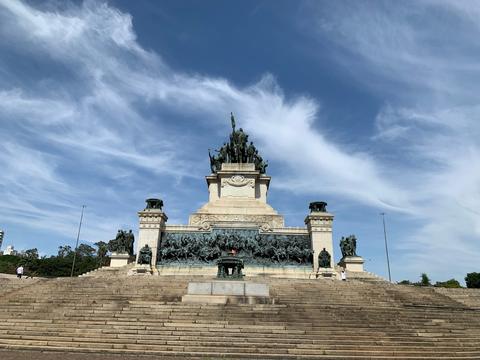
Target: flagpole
[76, 244]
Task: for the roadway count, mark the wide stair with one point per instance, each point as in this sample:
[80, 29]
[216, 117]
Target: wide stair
[308, 319]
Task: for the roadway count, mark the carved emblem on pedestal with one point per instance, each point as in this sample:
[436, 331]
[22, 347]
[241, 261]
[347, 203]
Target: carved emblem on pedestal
[238, 181]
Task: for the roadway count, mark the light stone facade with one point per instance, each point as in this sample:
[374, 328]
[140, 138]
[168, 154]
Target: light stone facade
[152, 223]
[319, 225]
[237, 196]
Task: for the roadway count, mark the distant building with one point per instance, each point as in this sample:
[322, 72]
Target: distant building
[9, 250]
[2, 233]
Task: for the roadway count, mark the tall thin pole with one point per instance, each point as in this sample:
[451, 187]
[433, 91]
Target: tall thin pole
[76, 244]
[386, 246]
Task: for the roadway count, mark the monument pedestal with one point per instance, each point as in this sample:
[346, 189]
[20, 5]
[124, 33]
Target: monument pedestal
[119, 260]
[352, 263]
[141, 270]
[227, 292]
[325, 273]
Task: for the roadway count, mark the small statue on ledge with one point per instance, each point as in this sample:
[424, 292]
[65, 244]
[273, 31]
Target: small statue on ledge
[145, 255]
[324, 259]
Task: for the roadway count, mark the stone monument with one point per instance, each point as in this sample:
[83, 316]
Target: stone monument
[350, 260]
[121, 248]
[237, 217]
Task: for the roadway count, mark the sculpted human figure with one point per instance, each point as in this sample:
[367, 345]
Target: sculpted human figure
[250, 153]
[130, 239]
[119, 243]
[324, 259]
[145, 255]
[348, 246]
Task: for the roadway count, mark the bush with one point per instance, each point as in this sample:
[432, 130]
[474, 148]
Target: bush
[451, 284]
[424, 280]
[54, 266]
[9, 263]
[405, 282]
[473, 280]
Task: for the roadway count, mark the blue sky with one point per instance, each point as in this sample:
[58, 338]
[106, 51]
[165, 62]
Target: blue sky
[371, 106]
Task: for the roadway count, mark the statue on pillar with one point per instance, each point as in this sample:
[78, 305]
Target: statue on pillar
[348, 246]
[154, 204]
[318, 206]
[324, 259]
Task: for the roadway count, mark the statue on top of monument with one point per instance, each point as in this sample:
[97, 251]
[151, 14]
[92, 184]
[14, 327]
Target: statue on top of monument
[237, 150]
[348, 246]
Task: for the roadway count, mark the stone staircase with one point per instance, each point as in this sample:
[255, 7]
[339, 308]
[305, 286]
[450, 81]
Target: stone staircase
[309, 319]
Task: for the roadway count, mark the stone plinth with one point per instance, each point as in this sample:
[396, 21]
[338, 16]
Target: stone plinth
[237, 197]
[352, 263]
[119, 260]
[152, 223]
[319, 225]
[140, 270]
[223, 292]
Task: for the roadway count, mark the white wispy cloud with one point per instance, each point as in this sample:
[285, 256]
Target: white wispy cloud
[98, 121]
[422, 60]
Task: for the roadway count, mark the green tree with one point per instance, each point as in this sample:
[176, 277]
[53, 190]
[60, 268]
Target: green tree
[30, 254]
[85, 250]
[65, 251]
[452, 284]
[424, 280]
[473, 280]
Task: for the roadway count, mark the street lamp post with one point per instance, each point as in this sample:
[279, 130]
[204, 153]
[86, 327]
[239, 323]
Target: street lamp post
[386, 246]
[76, 244]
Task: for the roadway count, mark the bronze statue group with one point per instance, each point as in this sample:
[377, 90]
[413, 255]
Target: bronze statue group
[237, 151]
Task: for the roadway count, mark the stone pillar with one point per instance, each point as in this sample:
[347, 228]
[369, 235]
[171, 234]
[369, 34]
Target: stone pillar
[152, 222]
[319, 225]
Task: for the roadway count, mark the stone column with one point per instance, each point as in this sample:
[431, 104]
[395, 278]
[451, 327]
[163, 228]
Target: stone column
[319, 225]
[152, 222]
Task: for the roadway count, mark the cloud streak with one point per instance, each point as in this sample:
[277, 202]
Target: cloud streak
[111, 126]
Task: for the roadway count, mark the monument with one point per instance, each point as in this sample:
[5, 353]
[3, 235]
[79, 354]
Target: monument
[350, 260]
[238, 218]
[121, 248]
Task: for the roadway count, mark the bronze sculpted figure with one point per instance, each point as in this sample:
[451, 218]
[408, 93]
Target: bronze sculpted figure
[145, 255]
[348, 246]
[318, 206]
[154, 204]
[123, 242]
[237, 150]
[324, 259]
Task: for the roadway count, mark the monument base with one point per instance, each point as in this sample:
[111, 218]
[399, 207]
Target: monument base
[294, 272]
[119, 260]
[140, 270]
[326, 273]
[352, 263]
[227, 292]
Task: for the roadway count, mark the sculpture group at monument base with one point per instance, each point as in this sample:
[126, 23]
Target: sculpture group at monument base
[227, 292]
